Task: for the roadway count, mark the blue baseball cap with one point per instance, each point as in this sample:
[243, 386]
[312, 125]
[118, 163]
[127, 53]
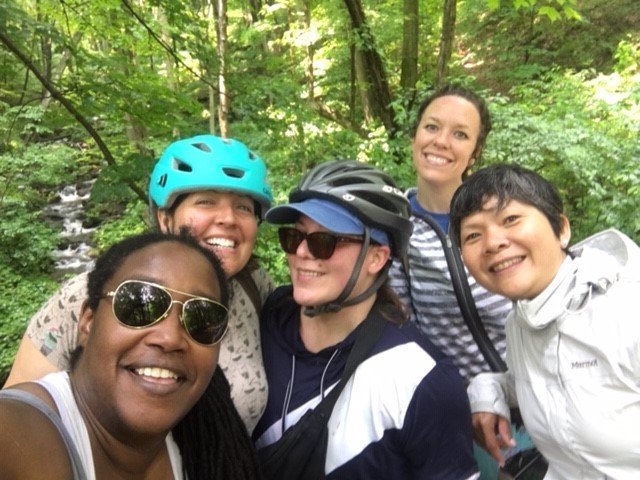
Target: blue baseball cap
[328, 214]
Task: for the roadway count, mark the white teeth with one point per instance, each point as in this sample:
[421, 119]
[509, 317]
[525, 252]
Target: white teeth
[309, 273]
[221, 242]
[506, 264]
[437, 160]
[156, 372]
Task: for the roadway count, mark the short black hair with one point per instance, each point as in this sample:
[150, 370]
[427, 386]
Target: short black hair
[469, 95]
[109, 262]
[506, 182]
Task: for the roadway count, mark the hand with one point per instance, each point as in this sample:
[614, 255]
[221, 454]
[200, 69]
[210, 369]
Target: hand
[493, 433]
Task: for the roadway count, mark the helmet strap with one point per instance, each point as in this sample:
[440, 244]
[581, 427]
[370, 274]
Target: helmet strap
[340, 302]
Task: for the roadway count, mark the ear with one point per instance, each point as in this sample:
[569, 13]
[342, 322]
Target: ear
[379, 256]
[85, 323]
[164, 220]
[565, 232]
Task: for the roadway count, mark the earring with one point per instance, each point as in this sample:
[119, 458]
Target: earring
[564, 242]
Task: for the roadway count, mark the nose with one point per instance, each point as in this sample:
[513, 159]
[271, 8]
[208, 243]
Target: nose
[169, 334]
[225, 214]
[303, 249]
[495, 240]
[441, 138]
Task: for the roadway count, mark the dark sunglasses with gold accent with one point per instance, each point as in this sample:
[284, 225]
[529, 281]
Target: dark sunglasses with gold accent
[140, 304]
[320, 244]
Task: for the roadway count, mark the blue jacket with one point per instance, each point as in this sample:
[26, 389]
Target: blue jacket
[404, 413]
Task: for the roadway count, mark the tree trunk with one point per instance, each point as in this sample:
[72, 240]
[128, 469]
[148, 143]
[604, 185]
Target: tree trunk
[254, 9]
[376, 75]
[169, 60]
[223, 99]
[362, 86]
[410, 33]
[310, 49]
[446, 40]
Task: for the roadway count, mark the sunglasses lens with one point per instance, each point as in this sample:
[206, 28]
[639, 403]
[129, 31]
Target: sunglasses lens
[138, 304]
[321, 244]
[205, 321]
[290, 239]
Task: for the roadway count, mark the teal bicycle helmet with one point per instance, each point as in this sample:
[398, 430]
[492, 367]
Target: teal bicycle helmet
[208, 162]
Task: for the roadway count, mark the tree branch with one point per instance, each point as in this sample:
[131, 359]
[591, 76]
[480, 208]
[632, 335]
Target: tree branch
[167, 48]
[330, 114]
[55, 93]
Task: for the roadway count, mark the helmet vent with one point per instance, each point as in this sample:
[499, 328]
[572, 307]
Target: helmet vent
[233, 172]
[182, 166]
[252, 156]
[202, 146]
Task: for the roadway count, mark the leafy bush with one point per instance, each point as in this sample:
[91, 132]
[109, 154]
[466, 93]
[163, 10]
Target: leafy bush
[20, 298]
[26, 242]
[561, 127]
[132, 221]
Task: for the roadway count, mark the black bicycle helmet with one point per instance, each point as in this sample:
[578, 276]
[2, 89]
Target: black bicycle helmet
[367, 192]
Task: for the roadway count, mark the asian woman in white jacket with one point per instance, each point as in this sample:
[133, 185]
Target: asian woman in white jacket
[573, 336]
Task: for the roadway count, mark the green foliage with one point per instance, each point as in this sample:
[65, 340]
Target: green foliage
[553, 10]
[25, 259]
[271, 255]
[133, 220]
[26, 242]
[29, 171]
[20, 297]
[507, 42]
[627, 56]
[563, 80]
[562, 128]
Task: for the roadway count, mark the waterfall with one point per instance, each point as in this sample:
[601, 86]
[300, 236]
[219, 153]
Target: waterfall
[68, 214]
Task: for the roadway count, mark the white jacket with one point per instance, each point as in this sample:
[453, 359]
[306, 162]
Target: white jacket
[574, 364]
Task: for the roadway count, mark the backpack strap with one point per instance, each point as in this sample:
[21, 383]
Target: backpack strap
[466, 303]
[248, 284]
[367, 337]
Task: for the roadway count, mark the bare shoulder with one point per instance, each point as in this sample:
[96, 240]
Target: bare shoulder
[30, 445]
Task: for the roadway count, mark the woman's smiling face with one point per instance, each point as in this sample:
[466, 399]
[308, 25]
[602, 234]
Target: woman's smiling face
[316, 281]
[224, 222]
[445, 140]
[512, 251]
[143, 381]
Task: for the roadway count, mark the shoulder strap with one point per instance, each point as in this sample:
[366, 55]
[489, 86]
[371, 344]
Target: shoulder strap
[367, 337]
[35, 402]
[248, 284]
[465, 300]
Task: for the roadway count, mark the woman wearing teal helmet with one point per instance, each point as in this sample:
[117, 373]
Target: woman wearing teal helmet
[216, 190]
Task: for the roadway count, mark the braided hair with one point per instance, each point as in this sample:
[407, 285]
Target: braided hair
[212, 438]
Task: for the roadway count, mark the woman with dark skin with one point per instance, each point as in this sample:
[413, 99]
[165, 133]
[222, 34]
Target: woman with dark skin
[215, 190]
[148, 343]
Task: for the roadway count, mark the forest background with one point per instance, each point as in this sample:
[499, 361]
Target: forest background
[96, 89]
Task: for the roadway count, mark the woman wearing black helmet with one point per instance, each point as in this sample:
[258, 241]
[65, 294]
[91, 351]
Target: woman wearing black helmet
[404, 412]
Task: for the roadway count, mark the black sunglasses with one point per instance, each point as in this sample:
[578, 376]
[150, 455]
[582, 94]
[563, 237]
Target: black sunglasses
[320, 244]
[139, 304]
